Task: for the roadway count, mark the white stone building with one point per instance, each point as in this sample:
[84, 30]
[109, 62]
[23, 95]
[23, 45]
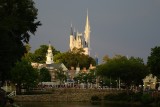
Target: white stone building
[79, 40]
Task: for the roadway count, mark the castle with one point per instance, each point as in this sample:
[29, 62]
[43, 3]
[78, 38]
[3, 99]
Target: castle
[79, 40]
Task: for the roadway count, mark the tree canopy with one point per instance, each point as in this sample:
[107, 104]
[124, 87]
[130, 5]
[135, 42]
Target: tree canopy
[74, 58]
[154, 61]
[40, 54]
[18, 21]
[24, 75]
[60, 75]
[44, 75]
[130, 71]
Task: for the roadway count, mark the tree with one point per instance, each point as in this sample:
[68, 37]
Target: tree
[17, 24]
[105, 58]
[154, 61]
[40, 54]
[74, 58]
[44, 75]
[24, 75]
[130, 71]
[60, 75]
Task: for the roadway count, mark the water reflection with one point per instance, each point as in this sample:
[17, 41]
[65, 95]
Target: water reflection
[74, 104]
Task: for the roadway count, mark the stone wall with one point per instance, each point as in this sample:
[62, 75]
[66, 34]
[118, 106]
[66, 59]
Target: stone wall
[67, 95]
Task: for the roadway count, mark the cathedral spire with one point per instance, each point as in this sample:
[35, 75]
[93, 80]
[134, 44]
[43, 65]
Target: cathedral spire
[87, 32]
[71, 30]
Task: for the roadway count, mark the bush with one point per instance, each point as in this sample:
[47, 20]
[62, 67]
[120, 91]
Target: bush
[147, 99]
[137, 96]
[124, 97]
[95, 98]
[111, 97]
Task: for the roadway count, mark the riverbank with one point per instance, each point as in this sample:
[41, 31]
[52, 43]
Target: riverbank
[94, 96]
[73, 95]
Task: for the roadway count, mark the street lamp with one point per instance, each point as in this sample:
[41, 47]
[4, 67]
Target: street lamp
[78, 84]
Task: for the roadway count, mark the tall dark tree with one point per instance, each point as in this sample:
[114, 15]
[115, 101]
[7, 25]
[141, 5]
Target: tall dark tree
[154, 61]
[44, 74]
[24, 75]
[18, 21]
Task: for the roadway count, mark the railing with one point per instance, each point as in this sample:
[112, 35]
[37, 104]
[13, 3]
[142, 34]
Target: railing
[13, 93]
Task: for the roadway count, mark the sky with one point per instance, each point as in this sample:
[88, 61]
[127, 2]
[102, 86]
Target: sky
[125, 27]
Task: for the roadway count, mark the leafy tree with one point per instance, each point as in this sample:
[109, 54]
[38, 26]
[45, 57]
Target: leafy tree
[17, 24]
[74, 58]
[130, 71]
[154, 61]
[106, 58]
[60, 75]
[23, 74]
[89, 77]
[40, 54]
[44, 75]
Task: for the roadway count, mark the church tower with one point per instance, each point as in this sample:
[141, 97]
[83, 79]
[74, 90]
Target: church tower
[49, 55]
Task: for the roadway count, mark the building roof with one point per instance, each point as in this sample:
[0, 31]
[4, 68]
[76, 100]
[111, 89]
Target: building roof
[57, 66]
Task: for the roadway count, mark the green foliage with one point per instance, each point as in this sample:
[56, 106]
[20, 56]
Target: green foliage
[147, 99]
[154, 61]
[17, 24]
[74, 59]
[130, 71]
[24, 75]
[40, 54]
[44, 75]
[86, 77]
[124, 96]
[106, 58]
[60, 75]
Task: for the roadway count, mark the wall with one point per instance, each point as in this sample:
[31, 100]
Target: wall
[67, 95]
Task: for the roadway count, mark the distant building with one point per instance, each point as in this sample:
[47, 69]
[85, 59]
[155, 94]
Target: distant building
[51, 66]
[79, 40]
[149, 82]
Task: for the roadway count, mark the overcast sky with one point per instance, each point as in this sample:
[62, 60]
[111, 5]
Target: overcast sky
[126, 27]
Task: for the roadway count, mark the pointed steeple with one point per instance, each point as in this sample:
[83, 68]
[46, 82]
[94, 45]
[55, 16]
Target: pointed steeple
[49, 55]
[87, 34]
[71, 30]
[87, 29]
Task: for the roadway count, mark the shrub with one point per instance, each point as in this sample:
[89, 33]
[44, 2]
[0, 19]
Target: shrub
[123, 97]
[137, 96]
[146, 99]
[110, 97]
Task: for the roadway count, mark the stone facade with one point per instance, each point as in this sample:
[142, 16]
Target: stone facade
[67, 95]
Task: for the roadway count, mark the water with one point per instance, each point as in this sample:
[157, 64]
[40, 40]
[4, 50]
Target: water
[74, 104]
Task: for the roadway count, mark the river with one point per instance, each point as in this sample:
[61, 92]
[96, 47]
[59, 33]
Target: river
[74, 104]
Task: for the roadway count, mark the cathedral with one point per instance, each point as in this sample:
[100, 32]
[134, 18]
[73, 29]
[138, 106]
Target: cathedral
[81, 40]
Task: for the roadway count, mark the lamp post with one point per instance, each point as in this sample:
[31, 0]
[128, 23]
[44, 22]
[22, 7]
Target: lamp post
[78, 84]
[116, 84]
